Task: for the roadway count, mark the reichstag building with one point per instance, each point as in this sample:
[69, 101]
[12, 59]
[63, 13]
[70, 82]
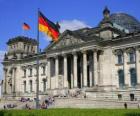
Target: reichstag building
[99, 63]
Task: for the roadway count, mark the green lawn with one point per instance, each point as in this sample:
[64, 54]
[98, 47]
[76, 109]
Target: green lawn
[72, 112]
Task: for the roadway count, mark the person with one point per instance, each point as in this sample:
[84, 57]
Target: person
[4, 107]
[27, 106]
[125, 105]
[44, 106]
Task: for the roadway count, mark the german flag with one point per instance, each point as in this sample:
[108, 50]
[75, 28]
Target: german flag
[25, 26]
[48, 27]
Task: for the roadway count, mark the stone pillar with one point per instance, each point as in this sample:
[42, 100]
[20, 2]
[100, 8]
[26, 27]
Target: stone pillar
[56, 72]
[85, 68]
[75, 69]
[95, 67]
[65, 72]
[126, 76]
[49, 74]
[81, 73]
[90, 70]
[13, 80]
[5, 82]
[72, 78]
[137, 66]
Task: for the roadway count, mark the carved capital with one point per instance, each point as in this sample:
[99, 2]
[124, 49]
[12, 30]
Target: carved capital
[23, 67]
[42, 64]
[95, 50]
[64, 54]
[74, 53]
[84, 51]
[29, 66]
[34, 66]
[137, 48]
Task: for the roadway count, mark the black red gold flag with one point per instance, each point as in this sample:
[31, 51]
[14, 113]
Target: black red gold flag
[25, 26]
[48, 27]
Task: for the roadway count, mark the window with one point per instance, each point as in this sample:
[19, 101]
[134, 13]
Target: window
[32, 48]
[24, 46]
[28, 47]
[120, 96]
[121, 78]
[44, 85]
[120, 59]
[43, 70]
[30, 71]
[24, 72]
[132, 57]
[24, 84]
[31, 86]
[21, 55]
[133, 77]
[36, 71]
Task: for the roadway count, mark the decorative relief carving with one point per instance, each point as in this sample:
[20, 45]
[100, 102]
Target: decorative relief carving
[67, 41]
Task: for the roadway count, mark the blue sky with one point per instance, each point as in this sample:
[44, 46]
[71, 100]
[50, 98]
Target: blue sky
[72, 14]
[15, 12]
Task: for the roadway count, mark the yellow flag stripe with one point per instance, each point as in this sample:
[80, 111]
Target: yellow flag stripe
[45, 30]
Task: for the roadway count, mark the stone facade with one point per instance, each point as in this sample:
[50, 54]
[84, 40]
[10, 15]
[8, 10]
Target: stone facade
[101, 62]
[20, 69]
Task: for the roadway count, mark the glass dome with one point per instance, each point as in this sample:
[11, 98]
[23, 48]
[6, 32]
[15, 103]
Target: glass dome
[125, 21]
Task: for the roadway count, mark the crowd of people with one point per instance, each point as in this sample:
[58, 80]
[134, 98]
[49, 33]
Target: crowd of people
[47, 102]
[9, 106]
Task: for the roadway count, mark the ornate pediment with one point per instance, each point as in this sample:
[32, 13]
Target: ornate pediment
[66, 41]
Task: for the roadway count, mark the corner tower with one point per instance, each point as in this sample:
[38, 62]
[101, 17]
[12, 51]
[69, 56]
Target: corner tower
[20, 47]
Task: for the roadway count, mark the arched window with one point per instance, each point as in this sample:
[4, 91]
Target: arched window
[44, 85]
[24, 86]
[24, 72]
[133, 77]
[30, 72]
[31, 86]
[119, 54]
[120, 58]
[43, 70]
[132, 57]
[121, 78]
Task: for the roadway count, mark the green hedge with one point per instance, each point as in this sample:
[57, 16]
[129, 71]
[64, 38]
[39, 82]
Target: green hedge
[72, 112]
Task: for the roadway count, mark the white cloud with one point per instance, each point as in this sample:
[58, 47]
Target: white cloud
[72, 25]
[1, 67]
[2, 55]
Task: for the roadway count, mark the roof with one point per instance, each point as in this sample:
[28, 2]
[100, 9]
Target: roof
[125, 21]
[22, 39]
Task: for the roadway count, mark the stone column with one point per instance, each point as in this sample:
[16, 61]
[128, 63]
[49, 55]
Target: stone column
[137, 66]
[95, 67]
[56, 72]
[13, 80]
[72, 78]
[125, 59]
[85, 68]
[5, 82]
[90, 70]
[75, 69]
[65, 72]
[48, 74]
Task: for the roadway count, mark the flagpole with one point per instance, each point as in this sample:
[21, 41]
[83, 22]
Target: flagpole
[37, 59]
